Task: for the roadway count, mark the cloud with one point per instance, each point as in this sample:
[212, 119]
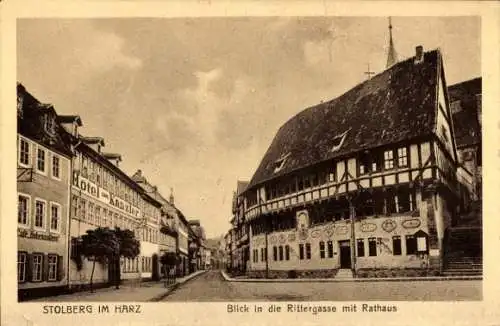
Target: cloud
[73, 48]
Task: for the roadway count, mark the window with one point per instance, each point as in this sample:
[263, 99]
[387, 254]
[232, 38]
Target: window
[322, 249]
[275, 253]
[301, 251]
[308, 250]
[52, 262]
[405, 200]
[422, 244]
[50, 124]
[55, 216]
[362, 169]
[338, 141]
[56, 167]
[396, 245]
[411, 245]
[331, 177]
[330, 249]
[363, 163]
[372, 247]
[388, 160]
[39, 213]
[456, 106]
[40, 161]
[265, 253]
[91, 212]
[402, 157]
[98, 216]
[22, 262]
[23, 209]
[24, 152]
[281, 252]
[37, 267]
[361, 247]
[287, 252]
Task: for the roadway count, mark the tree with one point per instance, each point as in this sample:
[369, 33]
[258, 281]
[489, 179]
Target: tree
[129, 247]
[169, 260]
[99, 245]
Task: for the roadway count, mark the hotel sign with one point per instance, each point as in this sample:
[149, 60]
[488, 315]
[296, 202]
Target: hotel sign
[36, 235]
[93, 190]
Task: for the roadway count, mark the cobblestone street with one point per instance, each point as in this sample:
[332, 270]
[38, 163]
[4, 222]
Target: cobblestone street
[211, 287]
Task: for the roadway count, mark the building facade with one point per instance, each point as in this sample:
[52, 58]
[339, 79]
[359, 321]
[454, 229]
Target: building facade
[466, 108]
[102, 195]
[167, 241]
[241, 253]
[43, 185]
[364, 182]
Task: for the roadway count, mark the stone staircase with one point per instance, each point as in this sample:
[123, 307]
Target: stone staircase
[344, 274]
[463, 251]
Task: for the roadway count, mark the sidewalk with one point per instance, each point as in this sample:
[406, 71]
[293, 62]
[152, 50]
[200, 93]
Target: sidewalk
[148, 291]
[333, 280]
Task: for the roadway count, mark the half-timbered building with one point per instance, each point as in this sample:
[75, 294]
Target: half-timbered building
[364, 182]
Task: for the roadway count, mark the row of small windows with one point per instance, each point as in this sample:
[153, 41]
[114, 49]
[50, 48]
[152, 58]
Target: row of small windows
[413, 246]
[41, 216]
[378, 202]
[42, 158]
[38, 267]
[367, 163]
[131, 265]
[99, 216]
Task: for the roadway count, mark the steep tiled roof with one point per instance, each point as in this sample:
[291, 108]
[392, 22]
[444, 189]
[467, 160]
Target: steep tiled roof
[465, 122]
[393, 106]
[30, 124]
[241, 187]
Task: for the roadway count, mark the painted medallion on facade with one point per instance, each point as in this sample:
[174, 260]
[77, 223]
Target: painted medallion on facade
[303, 234]
[273, 239]
[315, 234]
[342, 229]
[389, 225]
[368, 227]
[411, 223]
[329, 230]
[282, 238]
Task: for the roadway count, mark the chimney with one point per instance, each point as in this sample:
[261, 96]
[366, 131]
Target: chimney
[171, 199]
[419, 54]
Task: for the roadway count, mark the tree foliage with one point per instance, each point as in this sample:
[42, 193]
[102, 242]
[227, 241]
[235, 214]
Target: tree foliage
[169, 259]
[99, 245]
[130, 247]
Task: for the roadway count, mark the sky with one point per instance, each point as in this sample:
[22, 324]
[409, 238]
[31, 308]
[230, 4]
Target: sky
[195, 102]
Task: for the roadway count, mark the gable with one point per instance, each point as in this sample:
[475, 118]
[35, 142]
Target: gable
[444, 125]
[393, 106]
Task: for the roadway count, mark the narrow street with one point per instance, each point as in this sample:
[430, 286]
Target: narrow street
[211, 286]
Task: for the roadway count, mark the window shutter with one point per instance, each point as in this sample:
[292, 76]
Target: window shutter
[60, 268]
[45, 268]
[29, 267]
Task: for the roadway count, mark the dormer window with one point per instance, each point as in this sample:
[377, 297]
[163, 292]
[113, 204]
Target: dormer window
[49, 124]
[280, 163]
[338, 141]
[456, 106]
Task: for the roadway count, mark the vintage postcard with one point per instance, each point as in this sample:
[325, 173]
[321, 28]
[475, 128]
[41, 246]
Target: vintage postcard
[217, 163]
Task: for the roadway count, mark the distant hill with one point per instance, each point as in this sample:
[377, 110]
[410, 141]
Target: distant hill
[213, 242]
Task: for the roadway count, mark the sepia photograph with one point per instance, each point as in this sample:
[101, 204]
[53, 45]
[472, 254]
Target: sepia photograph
[261, 163]
[324, 158]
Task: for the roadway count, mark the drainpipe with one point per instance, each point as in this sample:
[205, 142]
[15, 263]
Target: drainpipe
[266, 233]
[352, 217]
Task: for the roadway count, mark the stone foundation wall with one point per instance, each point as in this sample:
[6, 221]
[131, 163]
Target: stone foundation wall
[275, 274]
[397, 272]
